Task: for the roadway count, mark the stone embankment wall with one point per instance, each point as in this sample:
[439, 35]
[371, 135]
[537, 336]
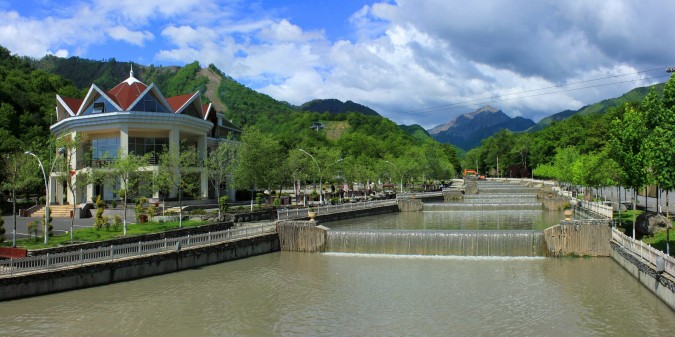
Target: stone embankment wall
[453, 196]
[662, 285]
[410, 205]
[579, 238]
[301, 236]
[129, 269]
[554, 204]
[470, 187]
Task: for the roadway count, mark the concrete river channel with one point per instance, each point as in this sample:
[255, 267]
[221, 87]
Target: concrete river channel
[369, 284]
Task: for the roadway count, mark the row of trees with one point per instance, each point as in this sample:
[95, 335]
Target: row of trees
[639, 150]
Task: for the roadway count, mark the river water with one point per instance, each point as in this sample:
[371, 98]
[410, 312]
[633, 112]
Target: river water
[302, 294]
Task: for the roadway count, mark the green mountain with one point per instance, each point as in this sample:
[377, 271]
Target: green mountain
[336, 106]
[635, 95]
[417, 132]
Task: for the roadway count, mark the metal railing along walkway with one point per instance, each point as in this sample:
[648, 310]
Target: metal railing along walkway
[82, 257]
[298, 213]
[644, 251]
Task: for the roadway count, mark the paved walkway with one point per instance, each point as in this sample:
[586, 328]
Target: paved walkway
[612, 193]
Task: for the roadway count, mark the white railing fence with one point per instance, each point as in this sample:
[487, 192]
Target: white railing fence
[643, 250]
[604, 210]
[298, 213]
[116, 252]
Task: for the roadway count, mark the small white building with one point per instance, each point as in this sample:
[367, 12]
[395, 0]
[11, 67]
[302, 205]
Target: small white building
[135, 117]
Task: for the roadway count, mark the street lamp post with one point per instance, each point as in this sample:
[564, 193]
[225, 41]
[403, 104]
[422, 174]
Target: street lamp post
[14, 173]
[47, 188]
[320, 176]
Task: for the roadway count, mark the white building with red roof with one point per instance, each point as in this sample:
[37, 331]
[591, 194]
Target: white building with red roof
[135, 117]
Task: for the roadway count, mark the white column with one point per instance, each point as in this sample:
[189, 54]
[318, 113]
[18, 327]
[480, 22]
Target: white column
[124, 139]
[90, 193]
[124, 147]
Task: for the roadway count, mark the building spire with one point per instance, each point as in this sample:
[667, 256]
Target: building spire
[131, 80]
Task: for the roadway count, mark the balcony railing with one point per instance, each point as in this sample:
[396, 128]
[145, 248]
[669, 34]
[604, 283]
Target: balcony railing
[100, 163]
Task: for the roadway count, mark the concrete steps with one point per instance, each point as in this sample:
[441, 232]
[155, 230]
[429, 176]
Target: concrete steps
[55, 211]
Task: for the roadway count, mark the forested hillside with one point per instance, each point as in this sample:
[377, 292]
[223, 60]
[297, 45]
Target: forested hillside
[27, 103]
[635, 95]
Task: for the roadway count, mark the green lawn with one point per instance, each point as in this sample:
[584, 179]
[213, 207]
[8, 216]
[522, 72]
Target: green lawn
[657, 240]
[93, 234]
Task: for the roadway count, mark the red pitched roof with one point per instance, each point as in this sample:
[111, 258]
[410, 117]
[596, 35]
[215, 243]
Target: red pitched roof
[73, 103]
[178, 101]
[205, 109]
[127, 92]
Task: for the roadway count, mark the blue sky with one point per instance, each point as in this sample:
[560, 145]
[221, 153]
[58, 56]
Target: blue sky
[414, 61]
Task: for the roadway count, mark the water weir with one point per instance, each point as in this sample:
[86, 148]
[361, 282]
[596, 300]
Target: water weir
[462, 243]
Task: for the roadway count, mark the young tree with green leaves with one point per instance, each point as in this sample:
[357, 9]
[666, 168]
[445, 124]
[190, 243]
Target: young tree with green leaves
[126, 169]
[258, 155]
[659, 146]
[15, 179]
[297, 165]
[220, 165]
[626, 141]
[175, 171]
[65, 170]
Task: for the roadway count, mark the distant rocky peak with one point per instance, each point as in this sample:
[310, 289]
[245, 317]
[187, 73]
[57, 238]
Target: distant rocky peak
[486, 109]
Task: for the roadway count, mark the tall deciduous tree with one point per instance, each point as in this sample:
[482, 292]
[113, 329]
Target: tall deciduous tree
[16, 177]
[65, 171]
[257, 158]
[626, 141]
[176, 171]
[126, 169]
[220, 165]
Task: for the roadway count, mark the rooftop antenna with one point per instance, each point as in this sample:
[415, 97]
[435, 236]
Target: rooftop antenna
[131, 73]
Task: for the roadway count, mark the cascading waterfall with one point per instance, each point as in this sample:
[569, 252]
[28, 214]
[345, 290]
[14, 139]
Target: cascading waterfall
[483, 206]
[462, 243]
[499, 221]
[495, 198]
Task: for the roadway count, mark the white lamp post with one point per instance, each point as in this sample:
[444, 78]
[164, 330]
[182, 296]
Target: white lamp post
[320, 176]
[47, 188]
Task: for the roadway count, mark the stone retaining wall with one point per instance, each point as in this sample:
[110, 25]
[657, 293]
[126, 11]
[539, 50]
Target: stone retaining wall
[579, 238]
[129, 269]
[409, 205]
[453, 195]
[554, 204]
[660, 284]
[301, 236]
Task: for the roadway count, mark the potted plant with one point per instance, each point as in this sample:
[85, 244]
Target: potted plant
[311, 214]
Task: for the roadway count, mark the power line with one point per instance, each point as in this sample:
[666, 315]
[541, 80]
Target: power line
[504, 97]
